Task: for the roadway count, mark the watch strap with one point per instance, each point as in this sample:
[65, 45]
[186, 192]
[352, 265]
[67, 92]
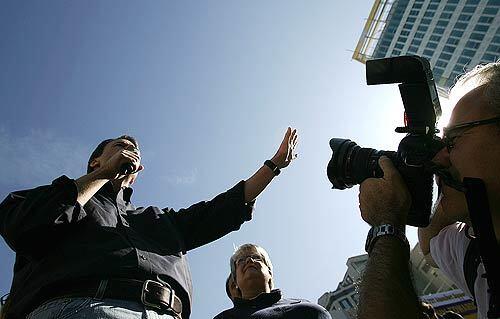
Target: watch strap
[384, 230]
[273, 167]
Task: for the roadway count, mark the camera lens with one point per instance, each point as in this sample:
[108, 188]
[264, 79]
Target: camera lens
[351, 164]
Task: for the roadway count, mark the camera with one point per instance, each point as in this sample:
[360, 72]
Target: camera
[351, 164]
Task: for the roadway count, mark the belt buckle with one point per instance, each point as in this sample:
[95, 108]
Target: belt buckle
[159, 305]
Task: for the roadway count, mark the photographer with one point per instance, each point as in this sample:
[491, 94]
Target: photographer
[472, 150]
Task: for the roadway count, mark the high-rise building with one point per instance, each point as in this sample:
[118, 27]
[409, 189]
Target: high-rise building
[430, 285]
[454, 35]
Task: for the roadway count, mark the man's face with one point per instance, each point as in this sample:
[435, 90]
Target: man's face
[111, 149]
[251, 269]
[475, 151]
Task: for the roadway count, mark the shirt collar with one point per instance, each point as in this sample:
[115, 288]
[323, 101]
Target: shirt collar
[124, 194]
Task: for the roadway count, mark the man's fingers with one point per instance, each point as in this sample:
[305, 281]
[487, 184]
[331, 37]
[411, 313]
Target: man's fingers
[387, 167]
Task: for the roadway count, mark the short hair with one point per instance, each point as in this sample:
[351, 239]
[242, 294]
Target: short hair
[100, 148]
[487, 75]
[261, 251]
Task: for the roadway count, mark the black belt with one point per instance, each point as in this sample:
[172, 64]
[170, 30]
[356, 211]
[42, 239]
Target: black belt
[153, 294]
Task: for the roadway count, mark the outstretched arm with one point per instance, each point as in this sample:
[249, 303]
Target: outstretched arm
[285, 154]
[386, 289]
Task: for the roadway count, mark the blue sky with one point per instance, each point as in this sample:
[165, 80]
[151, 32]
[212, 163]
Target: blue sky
[208, 89]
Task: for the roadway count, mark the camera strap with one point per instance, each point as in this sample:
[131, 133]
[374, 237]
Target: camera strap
[479, 212]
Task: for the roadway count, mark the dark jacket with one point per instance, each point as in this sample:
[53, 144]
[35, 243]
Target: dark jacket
[58, 241]
[272, 306]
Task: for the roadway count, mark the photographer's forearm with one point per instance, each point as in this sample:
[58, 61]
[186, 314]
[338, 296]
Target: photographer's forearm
[88, 185]
[257, 183]
[386, 289]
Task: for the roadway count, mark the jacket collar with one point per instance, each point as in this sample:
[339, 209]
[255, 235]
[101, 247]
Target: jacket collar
[264, 299]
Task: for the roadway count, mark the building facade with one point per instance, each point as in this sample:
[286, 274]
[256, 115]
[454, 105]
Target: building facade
[430, 285]
[454, 35]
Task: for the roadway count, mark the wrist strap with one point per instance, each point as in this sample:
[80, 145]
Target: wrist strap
[384, 230]
[273, 167]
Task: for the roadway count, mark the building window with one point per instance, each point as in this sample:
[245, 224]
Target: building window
[445, 16]
[486, 20]
[405, 33]
[436, 38]
[490, 11]
[411, 19]
[426, 21]
[481, 28]
[460, 25]
[476, 2]
[416, 42]
[442, 23]
[468, 52]
[438, 30]
[452, 41]
[428, 53]
[422, 28]
[396, 52]
[445, 56]
[477, 36]
[472, 44]
[441, 64]
[450, 7]
[429, 14]
[432, 45]
[463, 61]
[345, 304]
[469, 9]
[419, 35]
[414, 13]
[433, 6]
[464, 17]
[494, 48]
[413, 49]
[399, 46]
[448, 48]
[488, 57]
[402, 39]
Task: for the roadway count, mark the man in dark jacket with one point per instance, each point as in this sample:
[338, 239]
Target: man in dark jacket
[250, 287]
[83, 250]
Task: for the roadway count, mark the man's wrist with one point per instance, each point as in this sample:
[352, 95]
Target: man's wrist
[385, 230]
[273, 167]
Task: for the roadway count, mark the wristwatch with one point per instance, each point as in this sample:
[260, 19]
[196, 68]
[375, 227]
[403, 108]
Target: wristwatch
[273, 167]
[384, 230]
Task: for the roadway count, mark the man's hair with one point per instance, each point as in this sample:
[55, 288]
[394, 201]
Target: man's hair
[487, 75]
[100, 148]
[261, 251]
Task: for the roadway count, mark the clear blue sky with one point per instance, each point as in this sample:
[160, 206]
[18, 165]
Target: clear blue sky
[208, 89]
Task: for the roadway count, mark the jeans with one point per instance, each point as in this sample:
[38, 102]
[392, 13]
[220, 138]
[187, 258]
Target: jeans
[90, 308]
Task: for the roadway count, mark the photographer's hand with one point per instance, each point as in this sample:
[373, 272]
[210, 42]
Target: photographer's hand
[385, 200]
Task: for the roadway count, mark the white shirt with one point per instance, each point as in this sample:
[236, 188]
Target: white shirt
[448, 251]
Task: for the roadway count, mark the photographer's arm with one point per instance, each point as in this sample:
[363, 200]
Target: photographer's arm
[386, 290]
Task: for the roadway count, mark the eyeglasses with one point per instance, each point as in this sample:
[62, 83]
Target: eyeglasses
[244, 259]
[451, 133]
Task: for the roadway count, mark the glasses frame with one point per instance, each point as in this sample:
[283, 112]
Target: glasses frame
[244, 259]
[447, 130]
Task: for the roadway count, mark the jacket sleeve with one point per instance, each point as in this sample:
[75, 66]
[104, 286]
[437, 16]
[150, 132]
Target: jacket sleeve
[30, 218]
[207, 221]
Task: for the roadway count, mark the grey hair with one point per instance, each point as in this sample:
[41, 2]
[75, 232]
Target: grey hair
[261, 251]
[487, 75]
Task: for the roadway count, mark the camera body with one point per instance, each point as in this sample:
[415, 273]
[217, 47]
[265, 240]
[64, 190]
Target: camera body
[351, 164]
